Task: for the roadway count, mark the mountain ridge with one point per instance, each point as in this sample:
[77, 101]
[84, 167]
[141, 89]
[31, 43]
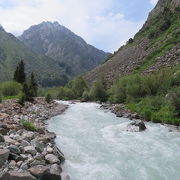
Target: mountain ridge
[62, 45]
[156, 45]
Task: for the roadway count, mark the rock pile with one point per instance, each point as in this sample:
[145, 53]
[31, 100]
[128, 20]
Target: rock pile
[25, 154]
[121, 111]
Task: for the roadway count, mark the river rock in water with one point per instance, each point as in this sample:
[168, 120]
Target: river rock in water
[136, 126]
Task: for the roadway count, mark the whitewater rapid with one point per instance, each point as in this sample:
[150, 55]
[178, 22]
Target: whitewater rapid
[98, 147]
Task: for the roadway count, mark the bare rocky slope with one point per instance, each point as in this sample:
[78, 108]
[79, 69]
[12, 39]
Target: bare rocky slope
[70, 51]
[155, 46]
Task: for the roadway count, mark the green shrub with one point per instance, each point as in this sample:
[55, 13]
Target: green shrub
[86, 96]
[10, 88]
[174, 99]
[77, 87]
[0, 98]
[98, 92]
[176, 79]
[28, 125]
[165, 115]
[48, 98]
[22, 99]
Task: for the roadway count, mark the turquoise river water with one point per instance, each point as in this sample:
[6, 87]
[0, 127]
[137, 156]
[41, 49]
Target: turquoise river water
[98, 147]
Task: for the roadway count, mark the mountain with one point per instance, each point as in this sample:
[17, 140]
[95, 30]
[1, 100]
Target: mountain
[70, 51]
[12, 51]
[155, 46]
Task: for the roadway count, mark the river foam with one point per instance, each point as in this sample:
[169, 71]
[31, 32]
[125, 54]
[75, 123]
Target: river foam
[98, 147]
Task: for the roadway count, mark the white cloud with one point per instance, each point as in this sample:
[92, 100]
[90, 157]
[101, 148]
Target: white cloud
[92, 20]
[153, 2]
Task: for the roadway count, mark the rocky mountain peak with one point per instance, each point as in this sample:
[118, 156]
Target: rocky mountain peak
[162, 4]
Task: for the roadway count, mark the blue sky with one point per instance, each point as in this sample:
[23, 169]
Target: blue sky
[106, 24]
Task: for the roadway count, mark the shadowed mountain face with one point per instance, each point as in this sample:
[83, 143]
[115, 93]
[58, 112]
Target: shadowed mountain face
[53, 52]
[155, 46]
[12, 51]
[70, 51]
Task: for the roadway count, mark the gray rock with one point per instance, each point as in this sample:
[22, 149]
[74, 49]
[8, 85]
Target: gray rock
[14, 149]
[59, 154]
[24, 143]
[36, 162]
[28, 136]
[136, 126]
[38, 145]
[4, 154]
[56, 169]
[52, 159]
[30, 150]
[39, 157]
[9, 140]
[39, 171]
[24, 166]
[14, 175]
[49, 149]
[2, 138]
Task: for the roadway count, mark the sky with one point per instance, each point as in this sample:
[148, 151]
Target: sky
[105, 24]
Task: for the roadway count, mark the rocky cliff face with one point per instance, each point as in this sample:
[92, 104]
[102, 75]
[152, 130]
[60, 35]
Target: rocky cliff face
[59, 43]
[155, 46]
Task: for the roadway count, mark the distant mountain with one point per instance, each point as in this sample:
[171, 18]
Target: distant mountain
[70, 51]
[155, 46]
[12, 51]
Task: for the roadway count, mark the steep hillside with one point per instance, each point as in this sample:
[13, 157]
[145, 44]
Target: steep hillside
[155, 46]
[12, 51]
[59, 43]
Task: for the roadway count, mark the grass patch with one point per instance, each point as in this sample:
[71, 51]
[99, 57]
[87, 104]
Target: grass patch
[28, 125]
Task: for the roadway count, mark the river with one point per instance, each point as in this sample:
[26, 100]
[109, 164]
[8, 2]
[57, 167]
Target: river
[98, 147]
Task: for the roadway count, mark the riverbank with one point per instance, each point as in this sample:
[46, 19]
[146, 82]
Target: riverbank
[27, 154]
[120, 110]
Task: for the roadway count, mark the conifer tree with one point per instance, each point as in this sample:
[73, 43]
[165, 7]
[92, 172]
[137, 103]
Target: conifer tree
[33, 86]
[19, 74]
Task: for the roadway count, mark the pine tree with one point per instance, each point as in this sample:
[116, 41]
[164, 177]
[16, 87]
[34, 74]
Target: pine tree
[33, 86]
[19, 74]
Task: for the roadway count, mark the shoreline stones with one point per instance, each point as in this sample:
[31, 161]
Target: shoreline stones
[25, 154]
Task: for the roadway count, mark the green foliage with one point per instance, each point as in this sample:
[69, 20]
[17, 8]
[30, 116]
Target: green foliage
[27, 92]
[130, 41]
[22, 99]
[0, 98]
[78, 86]
[155, 97]
[19, 74]
[133, 87]
[33, 86]
[174, 99]
[48, 98]
[28, 125]
[98, 92]
[86, 96]
[10, 88]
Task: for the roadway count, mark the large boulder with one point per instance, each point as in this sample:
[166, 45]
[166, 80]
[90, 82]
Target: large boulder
[14, 149]
[59, 154]
[39, 145]
[14, 175]
[4, 154]
[52, 159]
[136, 126]
[39, 171]
[30, 150]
